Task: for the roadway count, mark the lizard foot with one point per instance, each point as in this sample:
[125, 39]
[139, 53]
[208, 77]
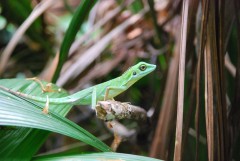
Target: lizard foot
[47, 88]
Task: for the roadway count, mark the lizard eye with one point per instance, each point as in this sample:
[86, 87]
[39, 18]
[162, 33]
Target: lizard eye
[134, 73]
[143, 67]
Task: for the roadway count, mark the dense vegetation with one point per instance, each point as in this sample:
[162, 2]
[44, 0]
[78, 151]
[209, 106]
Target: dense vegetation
[192, 97]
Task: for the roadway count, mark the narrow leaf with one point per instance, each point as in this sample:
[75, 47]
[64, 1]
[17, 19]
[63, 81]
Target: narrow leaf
[14, 111]
[76, 22]
[21, 142]
[106, 156]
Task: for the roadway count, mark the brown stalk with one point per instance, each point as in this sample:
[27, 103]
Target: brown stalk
[216, 118]
[234, 119]
[222, 119]
[217, 62]
[213, 73]
[201, 46]
[179, 127]
[209, 111]
[193, 7]
[166, 121]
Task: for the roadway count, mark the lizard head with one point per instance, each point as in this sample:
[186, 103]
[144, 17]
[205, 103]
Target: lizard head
[137, 71]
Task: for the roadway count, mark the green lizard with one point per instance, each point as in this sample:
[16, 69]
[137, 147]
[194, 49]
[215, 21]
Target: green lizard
[103, 91]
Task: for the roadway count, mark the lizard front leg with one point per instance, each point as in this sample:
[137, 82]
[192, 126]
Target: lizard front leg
[113, 88]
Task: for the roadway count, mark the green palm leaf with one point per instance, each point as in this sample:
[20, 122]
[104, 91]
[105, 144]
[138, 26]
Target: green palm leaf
[96, 157]
[24, 140]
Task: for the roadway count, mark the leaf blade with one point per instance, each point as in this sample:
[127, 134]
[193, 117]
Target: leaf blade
[15, 111]
[96, 156]
[76, 22]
